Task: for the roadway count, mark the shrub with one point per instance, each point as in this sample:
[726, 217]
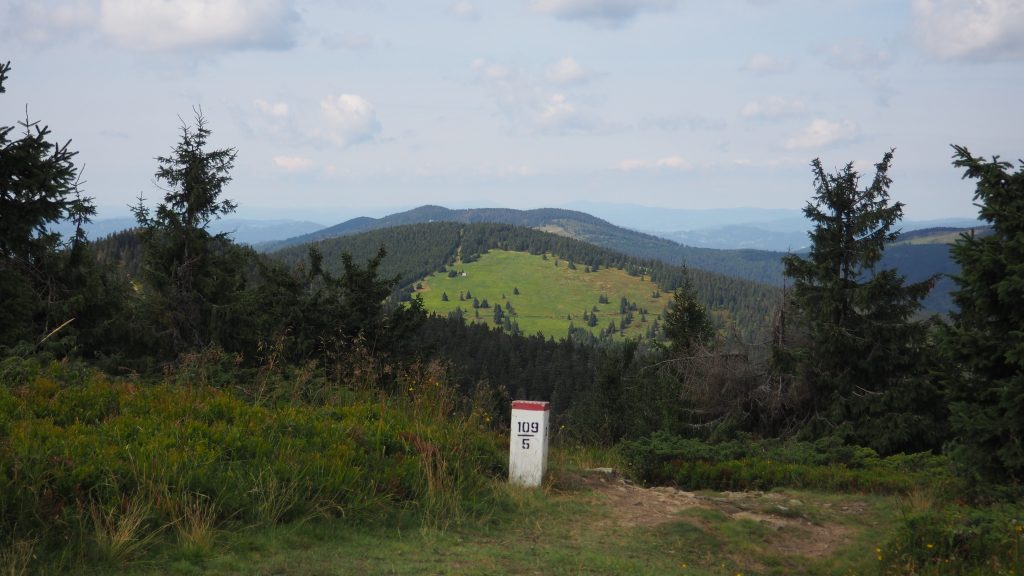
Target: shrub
[956, 539]
[196, 456]
[826, 464]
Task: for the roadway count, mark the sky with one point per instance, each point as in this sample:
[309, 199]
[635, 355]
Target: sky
[349, 107]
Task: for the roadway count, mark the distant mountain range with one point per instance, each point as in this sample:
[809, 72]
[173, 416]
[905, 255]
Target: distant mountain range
[782, 235]
[917, 258]
[781, 230]
[731, 228]
[242, 230]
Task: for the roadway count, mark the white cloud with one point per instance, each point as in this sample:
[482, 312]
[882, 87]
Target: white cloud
[762, 63]
[669, 163]
[773, 107]
[556, 111]
[529, 102]
[464, 9]
[856, 54]
[558, 115]
[350, 119]
[607, 13]
[154, 25]
[567, 71]
[272, 120]
[489, 71]
[199, 24]
[293, 163]
[44, 21]
[821, 133]
[278, 110]
[971, 29]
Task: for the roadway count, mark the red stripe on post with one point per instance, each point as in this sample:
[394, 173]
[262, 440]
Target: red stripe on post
[529, 405]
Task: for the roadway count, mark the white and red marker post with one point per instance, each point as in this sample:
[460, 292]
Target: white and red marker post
[528, 446]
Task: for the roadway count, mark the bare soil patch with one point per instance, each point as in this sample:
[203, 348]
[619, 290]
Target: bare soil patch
[791, 532]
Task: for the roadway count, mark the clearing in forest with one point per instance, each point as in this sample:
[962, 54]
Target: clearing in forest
[552, 295]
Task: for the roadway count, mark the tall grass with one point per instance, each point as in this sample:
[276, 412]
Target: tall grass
[195, 517]
[272, 497]
[457, 455]
[17, 557]
[122, 529]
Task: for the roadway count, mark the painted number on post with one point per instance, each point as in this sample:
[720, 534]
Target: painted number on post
[527, 431]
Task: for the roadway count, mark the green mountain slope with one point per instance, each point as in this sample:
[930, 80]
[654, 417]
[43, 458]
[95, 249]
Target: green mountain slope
[416, 251]
[537, 293]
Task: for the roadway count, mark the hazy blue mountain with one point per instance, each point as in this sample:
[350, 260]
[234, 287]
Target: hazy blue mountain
[784, 235]
[258, 231]
[730, 228]
[656, 219]
[740, 236]
[242, 230]
[97, 228]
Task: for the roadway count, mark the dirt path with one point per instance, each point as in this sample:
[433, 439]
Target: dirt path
[791, 531]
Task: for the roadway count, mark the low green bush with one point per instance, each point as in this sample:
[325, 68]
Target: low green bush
[748, 464]
[74, 451]
[957, 539]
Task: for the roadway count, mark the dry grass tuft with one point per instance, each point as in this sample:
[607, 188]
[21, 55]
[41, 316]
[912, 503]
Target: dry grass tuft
[16, 558]
[120, 531]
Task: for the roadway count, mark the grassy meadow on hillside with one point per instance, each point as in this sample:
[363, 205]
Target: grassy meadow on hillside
[551, 294]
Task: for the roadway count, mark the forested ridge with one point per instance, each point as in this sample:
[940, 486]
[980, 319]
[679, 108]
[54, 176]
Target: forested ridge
[416, 250]
[756, 265]
[917, 262]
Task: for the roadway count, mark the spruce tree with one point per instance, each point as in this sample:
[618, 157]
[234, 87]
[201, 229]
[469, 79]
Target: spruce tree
[861, 369]
[686, 321]
[189, 273]
[986, 340]
[38, 188]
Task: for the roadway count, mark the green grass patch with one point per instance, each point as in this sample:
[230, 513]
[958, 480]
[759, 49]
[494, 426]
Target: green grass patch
[551, 295]
[545, 532]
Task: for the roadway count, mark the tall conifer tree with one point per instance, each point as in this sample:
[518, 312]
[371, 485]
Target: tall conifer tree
[986, 339]
[38, 189]
[862, 365]
[189, 272]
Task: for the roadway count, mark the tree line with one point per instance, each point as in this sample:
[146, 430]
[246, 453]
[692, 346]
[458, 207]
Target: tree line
[848, 357]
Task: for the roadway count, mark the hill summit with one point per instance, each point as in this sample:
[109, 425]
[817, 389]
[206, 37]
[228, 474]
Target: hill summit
[757, 265]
